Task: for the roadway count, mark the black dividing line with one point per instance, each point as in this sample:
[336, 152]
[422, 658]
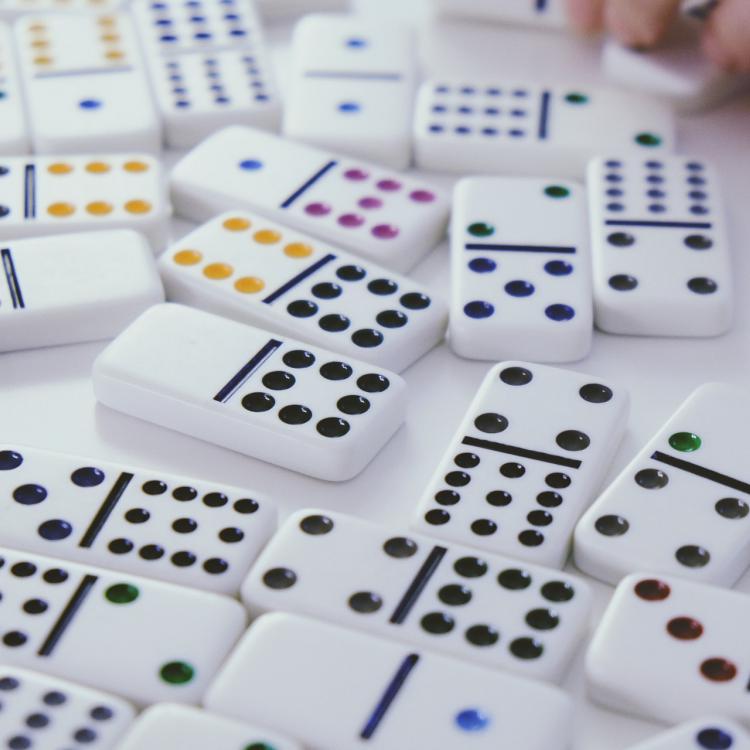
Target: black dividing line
[67, 615]
[29, 192]
[409, 599]
[389, 695]
[541, 6]
[520, 248]
[299, 278]
[544, 115]
[82, 72]
[105, 510]
[353, 75]
[307, 185]
[241, 376]
[514, 450]
[702, 471]
[660, 224]
[14, 286]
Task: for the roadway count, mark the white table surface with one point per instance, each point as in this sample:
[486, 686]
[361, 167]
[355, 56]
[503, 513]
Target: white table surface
[46, 398]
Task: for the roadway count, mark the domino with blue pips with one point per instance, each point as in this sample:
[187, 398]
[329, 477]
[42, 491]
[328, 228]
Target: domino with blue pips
[548, 14]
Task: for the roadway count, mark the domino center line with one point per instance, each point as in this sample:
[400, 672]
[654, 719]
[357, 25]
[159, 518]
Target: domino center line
[299, 278]
[353, 75]
[67, 615]
[29, 191]
[244, 47]
[11, 278]
[540, 6]
[491, 247]
[82, 72]
[243, 374]
[389, 695]
[416, 587]
[105, 510]
[659, 224]
[544, 114]
[307, 185]
[702, 471]
[515, 450]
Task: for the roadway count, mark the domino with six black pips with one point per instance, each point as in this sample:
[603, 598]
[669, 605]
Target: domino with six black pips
[278, 400]
[488, 609]
[144, 640]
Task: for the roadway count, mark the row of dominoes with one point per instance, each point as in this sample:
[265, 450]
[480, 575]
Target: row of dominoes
[666, 648]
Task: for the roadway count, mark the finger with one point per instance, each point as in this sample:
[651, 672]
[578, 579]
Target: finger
[640, 23]
[586, 15]
[726, 41]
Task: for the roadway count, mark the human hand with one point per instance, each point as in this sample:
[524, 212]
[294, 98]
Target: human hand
[642, 23]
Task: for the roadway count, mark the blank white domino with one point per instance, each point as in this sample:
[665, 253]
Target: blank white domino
[11, 9]
[74, 287]
[54, 195]
[520, 270]
[660, 247]
[385, 217]
[208, 65]
[169, 726]
[246, 389]
[675, 69]
[352, 87]
[708, 733]
[86, 84]
[671, 650]
[539, 13]
[525, 462]
[13, 126]
[144, 640]
[335, 689]
[253, 270]
[681, 506]
[491, 610]
[530, 129]
[149, 523]
[46, 713]
[273, 10]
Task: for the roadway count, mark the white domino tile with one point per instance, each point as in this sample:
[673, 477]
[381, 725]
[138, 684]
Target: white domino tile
[85, 83]
[14, 137]
[74, 287]
[288, 403]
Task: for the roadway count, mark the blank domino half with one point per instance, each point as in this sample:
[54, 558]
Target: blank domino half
[283, 9]
[335, 689]
[74, 287]
[169, 726]
[671, 650]
[539, 13]
[682, 506]
[660, 247]
[209, 66]
[253, 270]
[55, 195]
[174, 528]
[525, 462]
[490, 610]
[13, 128]
[246, 389]
[708, 733]
[352, 87]
[86, 84]
[11, 9]
[144, 640]
[45, 713]
[520, 270]
[510, 128]
[386, 217]
[675, 69]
